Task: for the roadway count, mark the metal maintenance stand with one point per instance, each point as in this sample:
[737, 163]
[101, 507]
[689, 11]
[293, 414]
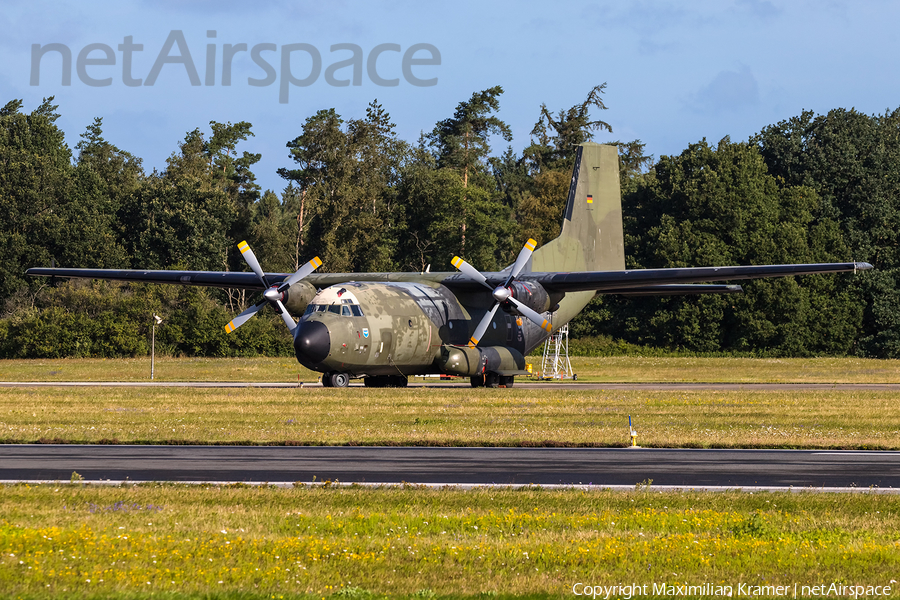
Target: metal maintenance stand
[555, 363]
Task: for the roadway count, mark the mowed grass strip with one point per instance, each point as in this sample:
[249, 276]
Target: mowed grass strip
[73, 541]
[631, 369]
[259, 369]
[463, 416]
[624, 369]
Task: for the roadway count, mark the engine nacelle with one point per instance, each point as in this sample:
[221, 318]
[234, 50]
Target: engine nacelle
[465, 360]
[298, 296]
[531, 294]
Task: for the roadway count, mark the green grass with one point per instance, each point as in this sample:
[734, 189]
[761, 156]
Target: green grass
[455, 416]
[263, 369]
[74, 541]
[612, 369]
[632, 369]
[423, 543]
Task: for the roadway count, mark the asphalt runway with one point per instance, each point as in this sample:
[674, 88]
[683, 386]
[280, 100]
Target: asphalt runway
[681, 468]
[449, 466]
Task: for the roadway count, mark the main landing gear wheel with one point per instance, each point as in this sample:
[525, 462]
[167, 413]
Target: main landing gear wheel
[492, 380]
[386, 381]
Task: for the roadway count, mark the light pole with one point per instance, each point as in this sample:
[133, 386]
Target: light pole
[156, 321]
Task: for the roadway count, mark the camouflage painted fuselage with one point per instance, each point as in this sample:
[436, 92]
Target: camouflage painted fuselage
[421, 323]
[398, 328]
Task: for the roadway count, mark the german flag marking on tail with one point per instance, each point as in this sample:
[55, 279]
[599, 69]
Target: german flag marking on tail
[590, 199]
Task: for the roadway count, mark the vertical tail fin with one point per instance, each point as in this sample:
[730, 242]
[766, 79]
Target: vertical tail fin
[592, 238]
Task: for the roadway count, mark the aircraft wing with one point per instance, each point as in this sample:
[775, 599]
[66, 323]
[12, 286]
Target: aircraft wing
[609, 282]
[634, 282]
[631, 282]
[222, 279]
[241, 279]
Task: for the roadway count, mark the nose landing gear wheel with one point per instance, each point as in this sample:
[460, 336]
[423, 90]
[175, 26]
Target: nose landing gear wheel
[339, 380]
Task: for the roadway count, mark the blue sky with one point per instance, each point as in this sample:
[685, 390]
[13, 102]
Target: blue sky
[675, 72]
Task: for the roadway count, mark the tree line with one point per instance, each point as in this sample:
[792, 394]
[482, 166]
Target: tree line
[812, 188]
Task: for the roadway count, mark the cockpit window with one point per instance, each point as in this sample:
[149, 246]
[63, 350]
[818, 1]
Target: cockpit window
[345, 310]
[311, 308]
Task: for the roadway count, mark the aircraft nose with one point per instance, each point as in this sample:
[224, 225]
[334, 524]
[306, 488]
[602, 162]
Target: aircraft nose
[312, 342]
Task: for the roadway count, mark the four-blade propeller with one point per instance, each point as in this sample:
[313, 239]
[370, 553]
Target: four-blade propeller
[274, 294]
[502, 293]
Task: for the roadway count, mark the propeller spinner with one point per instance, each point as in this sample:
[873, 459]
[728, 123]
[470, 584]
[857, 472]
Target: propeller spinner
[501, 293]
[273, 294]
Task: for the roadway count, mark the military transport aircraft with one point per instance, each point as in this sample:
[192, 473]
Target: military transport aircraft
[384, 327]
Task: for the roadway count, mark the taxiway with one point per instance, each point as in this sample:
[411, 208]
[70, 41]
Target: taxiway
[450, 466]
